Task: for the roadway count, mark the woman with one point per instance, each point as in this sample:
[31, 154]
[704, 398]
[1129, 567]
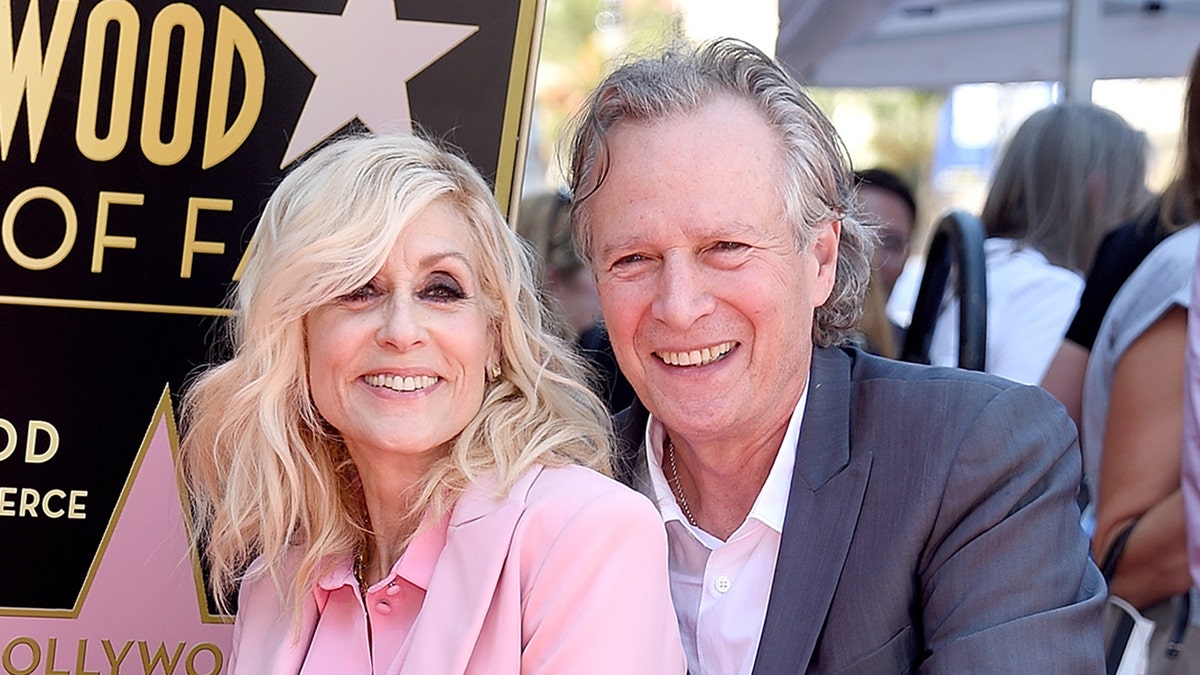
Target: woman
[1124, 249]
[409, 455]
[1132, 439]
[1070, 174]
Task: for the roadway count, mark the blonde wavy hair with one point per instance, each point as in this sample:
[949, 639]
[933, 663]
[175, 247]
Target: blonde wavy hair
[269, 478]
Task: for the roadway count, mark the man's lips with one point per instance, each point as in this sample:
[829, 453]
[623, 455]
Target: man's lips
[696, 357]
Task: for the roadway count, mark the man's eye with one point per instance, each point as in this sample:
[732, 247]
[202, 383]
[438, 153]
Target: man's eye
[630, 259]
[729, 246]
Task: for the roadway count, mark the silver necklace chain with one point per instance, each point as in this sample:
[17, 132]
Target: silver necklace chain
[676, 488]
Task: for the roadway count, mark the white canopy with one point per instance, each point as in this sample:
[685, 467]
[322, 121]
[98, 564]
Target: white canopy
[935, 44]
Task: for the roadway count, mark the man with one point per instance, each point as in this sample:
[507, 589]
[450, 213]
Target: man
[827, 511]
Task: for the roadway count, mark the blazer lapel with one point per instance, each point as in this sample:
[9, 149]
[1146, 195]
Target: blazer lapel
[630, 428]
[465, 580]
[826, 495]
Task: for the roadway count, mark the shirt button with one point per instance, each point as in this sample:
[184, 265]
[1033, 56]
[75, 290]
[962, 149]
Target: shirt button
[722, 584]
[392, 589]
[383, 607]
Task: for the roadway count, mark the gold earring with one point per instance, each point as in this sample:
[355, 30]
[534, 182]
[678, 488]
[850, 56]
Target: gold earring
[495, 372]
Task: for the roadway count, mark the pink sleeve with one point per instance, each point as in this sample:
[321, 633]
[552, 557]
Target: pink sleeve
[1191, 428]
[268, 639]
[598, 599]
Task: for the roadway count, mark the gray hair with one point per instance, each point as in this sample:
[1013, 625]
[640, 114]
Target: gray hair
[815, 187]
[1070, 174]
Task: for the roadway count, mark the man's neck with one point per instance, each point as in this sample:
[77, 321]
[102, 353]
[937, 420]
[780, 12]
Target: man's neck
[720, 484]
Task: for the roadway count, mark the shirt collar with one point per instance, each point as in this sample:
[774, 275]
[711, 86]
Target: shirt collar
[771, 504]
[996, 249]
[415, 565]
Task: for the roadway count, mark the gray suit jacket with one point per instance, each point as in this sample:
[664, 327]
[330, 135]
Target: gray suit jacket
[931, 526]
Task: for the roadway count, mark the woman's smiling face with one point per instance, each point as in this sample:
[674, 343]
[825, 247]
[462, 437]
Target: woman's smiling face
[399, 366]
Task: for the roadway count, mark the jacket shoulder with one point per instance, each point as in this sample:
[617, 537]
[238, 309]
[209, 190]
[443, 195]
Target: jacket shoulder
[867, 367]
[572, 488]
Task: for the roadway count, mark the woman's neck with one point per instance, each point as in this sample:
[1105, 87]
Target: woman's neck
[389, 492]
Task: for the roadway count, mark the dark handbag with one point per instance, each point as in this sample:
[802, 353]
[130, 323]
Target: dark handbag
[1134, 642]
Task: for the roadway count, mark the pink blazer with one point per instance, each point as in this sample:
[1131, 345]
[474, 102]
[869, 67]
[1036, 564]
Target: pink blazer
[566, 574]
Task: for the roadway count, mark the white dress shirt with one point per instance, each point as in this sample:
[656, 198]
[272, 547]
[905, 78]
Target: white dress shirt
[1030, 304]
[721, 588]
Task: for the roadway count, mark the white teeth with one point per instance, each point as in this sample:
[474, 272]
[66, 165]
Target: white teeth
[398, 383]
[696, 357]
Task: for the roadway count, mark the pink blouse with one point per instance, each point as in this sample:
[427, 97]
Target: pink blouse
[567, 573]
[379, 633]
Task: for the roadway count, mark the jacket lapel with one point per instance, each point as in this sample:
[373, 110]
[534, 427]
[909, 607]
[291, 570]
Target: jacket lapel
[629, 426]
[826, 495]
[461, 590]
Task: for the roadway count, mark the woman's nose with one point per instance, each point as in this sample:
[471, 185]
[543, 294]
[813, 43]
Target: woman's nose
[400, 324]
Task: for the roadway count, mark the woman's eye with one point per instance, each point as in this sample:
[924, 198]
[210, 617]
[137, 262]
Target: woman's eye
[442, 288]
[362, 294]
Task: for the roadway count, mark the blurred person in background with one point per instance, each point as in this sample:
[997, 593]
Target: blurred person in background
[1124, 249]
[1070, 174]
[545, 222]
[1132, 437]
[888, 204]
[1191, 429]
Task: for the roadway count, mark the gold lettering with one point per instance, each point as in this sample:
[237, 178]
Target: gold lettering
[115, 660]
[25, 74]
[80, 657]
[26, 502]
[125, 16]
[190, 245]
[209, 647]
[241, 268]
[11, 446]
[10, 220]
[75, 506]
[160, 656]
[29, 502]
[103, 240]
[53, 513]
[31, 454]
[187, 18]
[35, 656]
[234, 37]
[51, 648]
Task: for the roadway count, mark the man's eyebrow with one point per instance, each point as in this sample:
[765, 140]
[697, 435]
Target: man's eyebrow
[623, 243]
[734, 229]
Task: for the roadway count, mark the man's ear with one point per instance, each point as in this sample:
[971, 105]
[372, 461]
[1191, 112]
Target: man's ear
[825, 253]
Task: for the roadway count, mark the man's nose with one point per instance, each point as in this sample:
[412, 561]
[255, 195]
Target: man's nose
[684, 295]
